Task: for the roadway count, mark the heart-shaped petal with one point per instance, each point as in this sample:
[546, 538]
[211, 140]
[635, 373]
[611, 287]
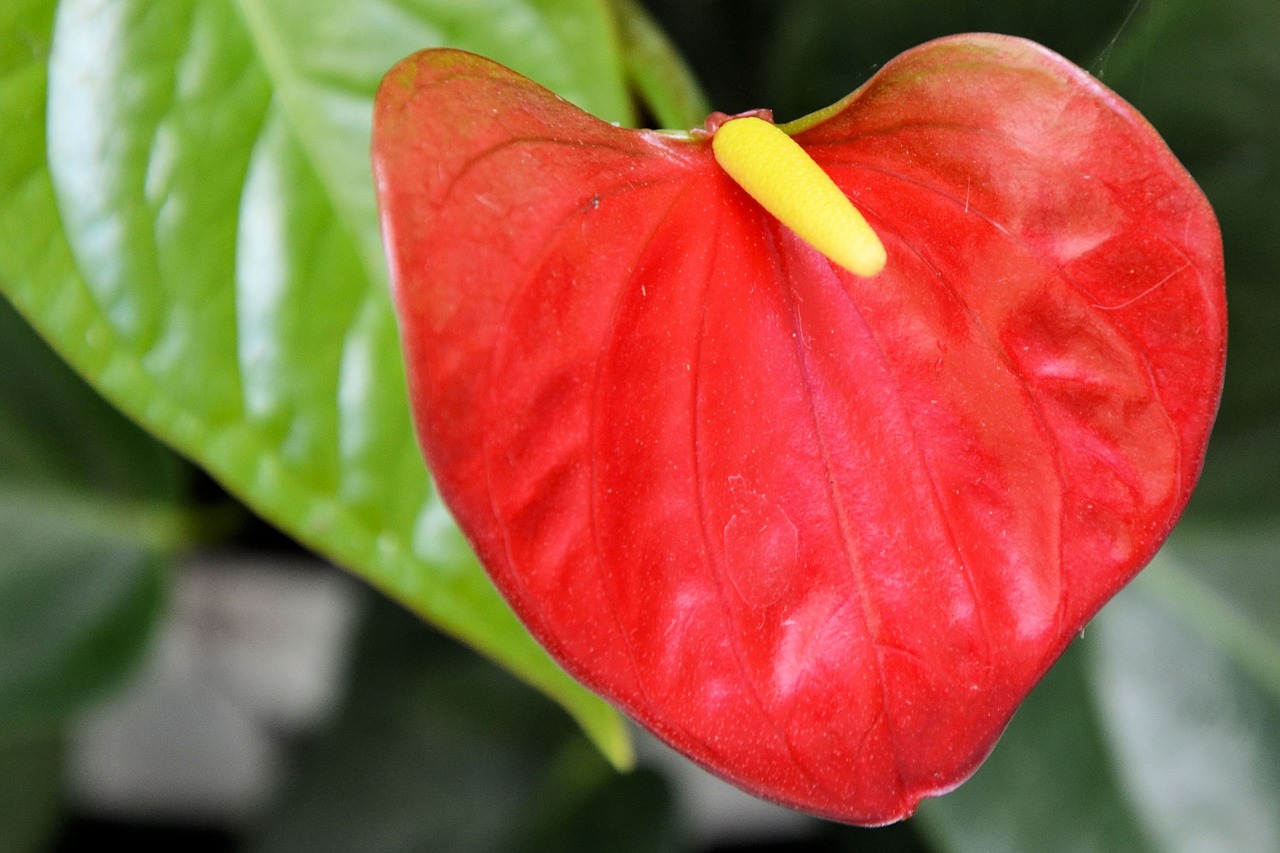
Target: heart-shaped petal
[820, 532]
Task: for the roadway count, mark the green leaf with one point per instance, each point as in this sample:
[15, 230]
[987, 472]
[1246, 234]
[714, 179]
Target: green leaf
[433, 751]
[210, 258]
[657, 70]
[74, 617]
[1196, 738]
[1238, 485]
[622, 812]
[86, 510]
[1223, 587]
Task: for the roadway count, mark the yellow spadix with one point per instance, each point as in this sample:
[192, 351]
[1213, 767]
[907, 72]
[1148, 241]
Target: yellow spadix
[780, 175]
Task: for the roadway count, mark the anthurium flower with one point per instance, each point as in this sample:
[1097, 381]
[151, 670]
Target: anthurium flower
[820, 523]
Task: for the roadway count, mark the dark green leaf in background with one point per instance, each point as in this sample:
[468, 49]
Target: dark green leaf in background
[1224, 587]
[826, 48]
[724, 41]
[30, 791]
[436, 751]
[1158, 730]
[87, 508]
[1050, 786]
[660, 75]
[1195, 738]
[802, 55]
[88, 513]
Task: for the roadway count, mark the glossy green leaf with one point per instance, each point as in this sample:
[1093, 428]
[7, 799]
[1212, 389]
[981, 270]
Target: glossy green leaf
[202, 245]
[85, 497]
[434, 751]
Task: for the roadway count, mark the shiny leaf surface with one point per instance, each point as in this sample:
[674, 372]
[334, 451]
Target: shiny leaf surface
[194, 230]
[820, 532]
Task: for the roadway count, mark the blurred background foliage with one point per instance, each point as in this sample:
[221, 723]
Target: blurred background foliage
[1159, 730]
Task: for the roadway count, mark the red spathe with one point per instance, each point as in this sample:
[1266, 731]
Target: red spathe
[822, 533]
